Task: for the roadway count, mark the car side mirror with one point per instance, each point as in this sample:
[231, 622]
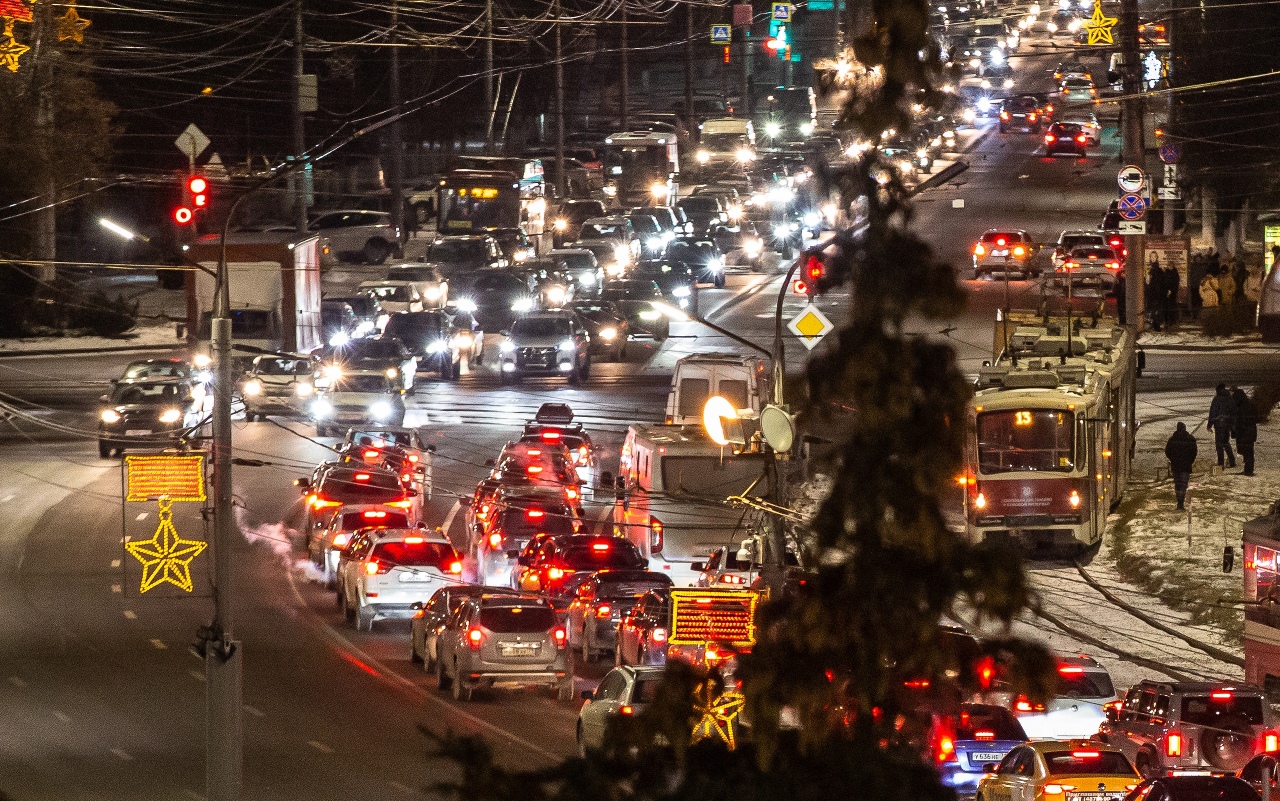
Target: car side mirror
[416, 606]
[1113, 715]
[105, 398]
[990, 767]
[431, 449]
[698, 567]
[620, 484]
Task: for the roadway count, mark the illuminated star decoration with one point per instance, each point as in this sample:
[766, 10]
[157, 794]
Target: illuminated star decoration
[11, 50]
[1099, 26]
[166, 557]
[719, 717]
[71, 25]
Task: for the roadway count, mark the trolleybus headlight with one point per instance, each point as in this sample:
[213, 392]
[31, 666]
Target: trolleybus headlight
[980, 501]
[1074, 500]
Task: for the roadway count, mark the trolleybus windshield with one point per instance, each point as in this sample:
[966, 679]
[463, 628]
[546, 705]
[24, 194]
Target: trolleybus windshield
[1015, 441]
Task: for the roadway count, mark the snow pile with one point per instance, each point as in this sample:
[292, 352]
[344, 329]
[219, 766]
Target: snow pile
[1190, 336]
[159, 336]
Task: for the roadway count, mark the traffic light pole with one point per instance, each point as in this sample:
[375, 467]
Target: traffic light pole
[1132, 153]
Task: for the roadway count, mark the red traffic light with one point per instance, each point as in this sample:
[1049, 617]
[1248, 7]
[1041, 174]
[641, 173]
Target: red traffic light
[182, 215]
[814, 270]
[197, 185]
[800, 287]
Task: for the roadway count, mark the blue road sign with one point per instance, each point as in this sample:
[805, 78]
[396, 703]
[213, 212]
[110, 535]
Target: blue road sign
[721, 34]
[781, 12]
[1132, 207]
[1170, 153]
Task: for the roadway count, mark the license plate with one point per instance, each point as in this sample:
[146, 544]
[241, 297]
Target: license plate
[415, 577]
[519, 650]
[985, 756]
[1094, 796]
[138, 432]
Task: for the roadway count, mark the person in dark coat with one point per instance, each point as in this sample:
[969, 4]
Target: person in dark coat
[1246, 428]
[1169, 299]
[1154, 295]
[1180, 450]
[1222, 419]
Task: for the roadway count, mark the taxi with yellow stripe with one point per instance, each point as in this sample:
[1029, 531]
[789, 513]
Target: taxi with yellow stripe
[1060, 770]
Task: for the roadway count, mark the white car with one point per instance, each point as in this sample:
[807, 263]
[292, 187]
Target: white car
[426, 279]
[394, 296]
[358, 398]
[356, 235]
[1079, 705]
[327, 544]
[1088, 122]
[384, 572]
[278, 385]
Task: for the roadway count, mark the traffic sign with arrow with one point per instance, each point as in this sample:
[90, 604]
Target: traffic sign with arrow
[1131, 179]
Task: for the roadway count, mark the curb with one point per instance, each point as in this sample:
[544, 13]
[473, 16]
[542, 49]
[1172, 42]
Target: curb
[1226, 347]
[13, 354]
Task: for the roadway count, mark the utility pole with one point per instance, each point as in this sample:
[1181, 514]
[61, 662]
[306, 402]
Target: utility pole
[626, 77]
[299, 130]
[688, 67]
[395, 132]
[1132, 153]
[490, 100]
[560, 183]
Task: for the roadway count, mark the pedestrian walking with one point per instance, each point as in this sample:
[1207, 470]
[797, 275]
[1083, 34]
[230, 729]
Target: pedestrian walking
[1222, 419]
[1180, 450]
[1154, 295]
[1246, 428]
[1252, 292]
[1169, 295]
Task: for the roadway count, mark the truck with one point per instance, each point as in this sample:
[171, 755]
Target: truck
[725, 142]
[741, 380]
[672, 496]
[275, 290]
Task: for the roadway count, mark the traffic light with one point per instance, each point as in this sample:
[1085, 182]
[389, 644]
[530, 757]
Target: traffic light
[779, 43]
[811, 277]
[196, 192]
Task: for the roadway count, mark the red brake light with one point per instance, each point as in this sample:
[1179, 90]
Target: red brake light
[571, 493]
[361, 476]
[1080, 138]
[406, 478]
[455, 567]
[373, 567]
[534, 514]
[917, 684]
[946, 749]
[475, 638]
[1001, 241]
[534, 452]
[371, 454]
[655, 534]
[1004, 115]
[414, 540]
[413, 458]
[554, 573]
[626, 709]
[495, 540]
[550, 436]
[340, 540]
[1031, 117]
[658, 635]
[1050, 138]
[1221, 696]
[599, 546]
[373, 514]
[318, 502]
[603, 611]
[1023, 704]
[1070, 670]
[562, 638]
[1173, 744]
[403, 503]
[534, 469]
[1086, 754]
[984, 734]
[1270, 741]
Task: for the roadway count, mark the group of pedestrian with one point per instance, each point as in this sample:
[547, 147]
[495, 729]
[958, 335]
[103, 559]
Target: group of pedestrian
[1232, 415]
[1224, 284]
[1162, 294]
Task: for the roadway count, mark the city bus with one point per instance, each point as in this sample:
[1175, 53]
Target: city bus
[473, 201]
[642, 167]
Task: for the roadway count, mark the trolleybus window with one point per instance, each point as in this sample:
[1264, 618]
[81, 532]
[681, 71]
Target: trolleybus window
[476, 207]
[1025, 440]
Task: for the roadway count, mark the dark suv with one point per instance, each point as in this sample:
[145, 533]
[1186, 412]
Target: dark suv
[1065, 137]
[1023, 113]
[1198, 725]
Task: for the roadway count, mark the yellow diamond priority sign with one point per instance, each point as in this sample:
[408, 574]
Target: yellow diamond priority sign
[811, 325]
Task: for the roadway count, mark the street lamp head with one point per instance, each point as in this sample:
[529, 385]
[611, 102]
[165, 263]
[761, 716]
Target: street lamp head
[118, 230]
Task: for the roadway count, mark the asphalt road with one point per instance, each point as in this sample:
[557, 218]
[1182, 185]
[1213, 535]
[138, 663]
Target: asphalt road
[102, 699]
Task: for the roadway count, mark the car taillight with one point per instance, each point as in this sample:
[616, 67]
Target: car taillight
[730, 578]
[1086, 754]
[1019, 251]
[1031, 117]
[340, 540]
[414, 540]
[1173, 744]
[1070, 670]
[658, 635]
[570, 493]
[455, 567]
[534, 469]
[1004, 115]
[406, 478]
[1024, 704]
[979, 250]
[534, 514]
[555, 573]
[320, 502]
[1270, 741]
[1113, 265]
[984, 734]
[550, 436]
[655, 535]
[413, 458]
[1057, 789]
[980, 501]
[373, 514]
[1074, 499]
[1050, 138]
[373, 567]
[603, 611]
[946, 750]
[1221, 696]
[1001, 242]
[561, 637]
[1080, 138]
[599, 546]
[495, 540]
[362, 477]
[626, 709]
[475, 639]
[403, 503]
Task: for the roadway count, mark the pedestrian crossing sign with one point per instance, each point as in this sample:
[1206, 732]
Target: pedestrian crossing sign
[781, 12]
[720, 34]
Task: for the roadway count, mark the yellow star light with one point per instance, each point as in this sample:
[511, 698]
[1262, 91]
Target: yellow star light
[719, 717]
[10, 50]
[166, 557]
[71, 26]
[1099, 26]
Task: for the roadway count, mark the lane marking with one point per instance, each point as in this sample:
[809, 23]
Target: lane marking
[448, 519]
[116, 588]
[321, 747]
[407, 790]
[160, 646]
[62, 716]
[123, 754]
[253, 710]
[8, 498]
[130, 614]
[115, 563]
[142, 516]
[17, 682]
[199, 675]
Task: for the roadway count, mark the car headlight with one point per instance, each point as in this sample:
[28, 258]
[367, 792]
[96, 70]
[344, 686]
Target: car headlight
[922, 153]
[658, 189]
[772, 129]
[465, 305]
[752, 247]
[392, 372]
[507, 347]
[970, 115]
[555, 295]
[680, 292]
[906, 167]
[331, 371]
[305, 389]
[522, 305]
[439, 346]
[1052, 26]
[567, 345]
[812, 219]
[110, 416]
[432, 294]
[561, 224]
[735, 212]
[703, 156]
[1008, 83]
[380, 410]
[365, 328]
[608, 334]
[744, 155]
[616, 269]
[339, 339]
[622, 254]
[588, 278]
[654, 243]
[321, 408]
[806, 128]
[715, 264]
[171, 415]
[253, 387]
[975, 63]
[781, 231]
[997, 56]
[202, 360]
[610, 191]
[650, 315]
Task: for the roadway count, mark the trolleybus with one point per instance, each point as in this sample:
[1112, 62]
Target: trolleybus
[478, 200]
[641, 167]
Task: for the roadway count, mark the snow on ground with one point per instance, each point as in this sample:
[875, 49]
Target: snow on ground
[1192, 338]
[159, 336]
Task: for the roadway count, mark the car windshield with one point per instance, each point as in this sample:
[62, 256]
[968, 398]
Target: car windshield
[156, 370]
[283, 367]
[705, 204]
[146, 393]
[382, 439]
[645, 690]
[457, 250]
[577, 261]
[439, 555]
[1084, 684]
[1026, 440]
[363, 487]
[1000, 238]
[1212, 788]
[603, 231]
[577, 212]
[723, 142]
[415, 326]
[362, 383]
[1072, 241]
[1217, 709]
[984, 722]
[540, 327]
[362, 306]
[520, 524]
[1088, 762]
[376, 349]
[709, 475]
[351, 521]
[396, 294]
[631, 290]
[630, 588]
[517, 619]
[614, 553]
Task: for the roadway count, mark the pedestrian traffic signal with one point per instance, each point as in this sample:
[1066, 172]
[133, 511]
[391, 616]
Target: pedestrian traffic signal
[811, 278]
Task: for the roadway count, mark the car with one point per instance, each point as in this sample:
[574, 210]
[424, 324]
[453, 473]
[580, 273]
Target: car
[581, 265]
[553, 425]
[1022, 113]
[278, 384]
[508, 519]
[515, 244]
[1069, 240]
[356, 235]
[1194, 788]
[384, 571]
[546, 343]
[432, 337]
[1071, 69]
[1083, 692]
[164, 369]
[1164, 726]
[538, 464]
[1263, 769]
[650, 234]
[736, 567]
[426, 278]
[150, 413]
[460, 253]
[428, 619]
[570, 217]
[358, 397]
[557, 559]
[334, 487]
[550, 281]
[493, 297]
[972, 741]
[616, 230]
[1077, 90]
[607, 326]
[406, 441]
[1052, 768]
[670, 221]
[325, 546]
[637, 299]
[1088, 122]
[370, 316]
[385, 354]
[699, 255]
[501, 639]
[595, 613]
[702, 212]
[1090, 267]
[740, 243]
[1066, 137]
[643, 630]
[394, 296]
[623, 691]
[338, 322]
[1002, 250]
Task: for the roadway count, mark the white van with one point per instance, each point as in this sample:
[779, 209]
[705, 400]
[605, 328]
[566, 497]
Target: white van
[672, 497]
[726, 140]
[741, 380]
